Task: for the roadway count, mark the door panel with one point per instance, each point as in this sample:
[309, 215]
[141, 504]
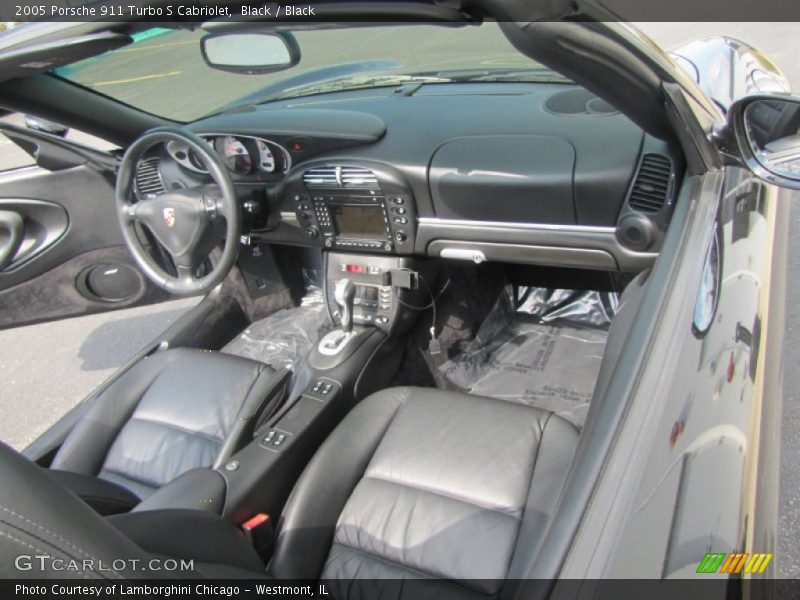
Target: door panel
[12, 232]
[68, 258]
[38, 225]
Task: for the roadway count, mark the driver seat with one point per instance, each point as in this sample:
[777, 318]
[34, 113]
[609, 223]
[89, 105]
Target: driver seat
[172, 411]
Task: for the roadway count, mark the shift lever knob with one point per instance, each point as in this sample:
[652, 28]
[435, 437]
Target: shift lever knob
[343, 293]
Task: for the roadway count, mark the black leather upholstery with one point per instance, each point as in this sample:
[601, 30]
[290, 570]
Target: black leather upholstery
[421, 483]
[449, 490]
[106, 497]
[171, 412]
[38, 517]
[193, 535]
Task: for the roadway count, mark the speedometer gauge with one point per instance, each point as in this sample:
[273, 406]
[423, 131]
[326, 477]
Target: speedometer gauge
[234, 154]
[266, 160]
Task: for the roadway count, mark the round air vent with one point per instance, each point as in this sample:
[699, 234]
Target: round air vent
[635, 232]
[578, 101]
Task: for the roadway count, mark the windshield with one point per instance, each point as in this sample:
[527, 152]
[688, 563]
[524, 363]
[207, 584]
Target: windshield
[163, 71]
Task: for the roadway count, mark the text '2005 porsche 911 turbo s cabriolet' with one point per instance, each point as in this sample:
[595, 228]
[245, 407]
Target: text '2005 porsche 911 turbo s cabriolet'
[488, 303]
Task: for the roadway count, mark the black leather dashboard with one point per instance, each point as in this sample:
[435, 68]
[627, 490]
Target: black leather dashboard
[542, 173]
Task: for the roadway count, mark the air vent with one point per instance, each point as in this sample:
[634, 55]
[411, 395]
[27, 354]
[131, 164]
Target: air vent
[340, 176]
[358, 177]
[148, 177]
[321, 177]
[651, 187]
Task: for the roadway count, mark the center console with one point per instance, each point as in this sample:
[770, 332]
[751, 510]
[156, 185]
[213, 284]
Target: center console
[259, 477]
[373, 299]
[384, 289]
[353, 208]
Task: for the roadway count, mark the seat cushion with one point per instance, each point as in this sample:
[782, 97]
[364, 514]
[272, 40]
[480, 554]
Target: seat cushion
[169, 413]
[445, 485]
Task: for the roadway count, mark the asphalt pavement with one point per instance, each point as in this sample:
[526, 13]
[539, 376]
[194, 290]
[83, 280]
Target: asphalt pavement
[47, 368]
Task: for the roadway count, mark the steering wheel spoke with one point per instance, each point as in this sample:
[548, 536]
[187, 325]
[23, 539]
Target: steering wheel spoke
[130, 213]
[213, 201]
[186, 273]
[185, 222]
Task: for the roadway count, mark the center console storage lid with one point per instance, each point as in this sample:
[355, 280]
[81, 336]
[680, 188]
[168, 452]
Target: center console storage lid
[510, 178]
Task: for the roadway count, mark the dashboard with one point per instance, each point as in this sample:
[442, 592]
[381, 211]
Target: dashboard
[535, 173]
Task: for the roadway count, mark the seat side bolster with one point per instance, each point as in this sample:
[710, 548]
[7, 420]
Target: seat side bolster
[554, 456]
[306, 528]
[39, 516]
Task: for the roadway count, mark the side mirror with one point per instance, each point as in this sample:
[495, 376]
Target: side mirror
[38, 124]
[250, 52]
[767, 132]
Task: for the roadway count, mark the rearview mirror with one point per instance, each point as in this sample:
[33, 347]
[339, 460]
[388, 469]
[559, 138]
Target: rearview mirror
[767, 130]
[250, 52]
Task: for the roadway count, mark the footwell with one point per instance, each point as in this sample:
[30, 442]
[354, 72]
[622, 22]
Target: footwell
[539, 347]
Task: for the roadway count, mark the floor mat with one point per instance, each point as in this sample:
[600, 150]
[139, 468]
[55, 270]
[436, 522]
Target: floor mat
[284, 338]
[538, 347]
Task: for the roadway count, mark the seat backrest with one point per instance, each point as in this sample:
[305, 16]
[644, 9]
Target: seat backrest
[40, 518]
[420, 483]
[171, 412]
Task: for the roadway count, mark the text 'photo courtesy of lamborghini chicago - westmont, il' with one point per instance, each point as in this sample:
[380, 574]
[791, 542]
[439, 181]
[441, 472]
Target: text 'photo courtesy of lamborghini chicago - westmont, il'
[394, 299]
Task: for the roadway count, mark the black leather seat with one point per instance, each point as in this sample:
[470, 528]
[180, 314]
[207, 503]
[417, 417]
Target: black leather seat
[173, 411]
[422, 483]
[414, 484]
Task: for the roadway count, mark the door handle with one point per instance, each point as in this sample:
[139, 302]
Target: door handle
[12, 228]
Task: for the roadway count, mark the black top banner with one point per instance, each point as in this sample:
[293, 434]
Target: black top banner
[386, 11]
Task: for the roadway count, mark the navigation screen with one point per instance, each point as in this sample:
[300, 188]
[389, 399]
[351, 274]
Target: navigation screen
[359, 221]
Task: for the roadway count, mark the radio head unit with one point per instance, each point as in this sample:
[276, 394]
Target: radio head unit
[359, 221]
[354, 208]
[354, 222]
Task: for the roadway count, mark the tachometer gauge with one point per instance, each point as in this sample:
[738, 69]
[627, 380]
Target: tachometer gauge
[234, 154]
[266, 160]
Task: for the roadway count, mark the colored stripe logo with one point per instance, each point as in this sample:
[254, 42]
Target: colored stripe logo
[734, 563]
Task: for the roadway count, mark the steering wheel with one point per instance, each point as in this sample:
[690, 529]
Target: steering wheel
[187, 222]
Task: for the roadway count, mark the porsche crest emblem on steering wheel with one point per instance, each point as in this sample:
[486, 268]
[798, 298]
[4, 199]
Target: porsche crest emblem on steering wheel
[169, 217]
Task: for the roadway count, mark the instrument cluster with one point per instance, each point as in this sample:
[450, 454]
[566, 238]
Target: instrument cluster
[243, 155]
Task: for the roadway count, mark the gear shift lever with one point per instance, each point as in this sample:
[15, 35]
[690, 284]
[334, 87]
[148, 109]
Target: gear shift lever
[344, 293]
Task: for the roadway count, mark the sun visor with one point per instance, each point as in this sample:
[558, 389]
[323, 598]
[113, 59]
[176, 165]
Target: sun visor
[36, 58]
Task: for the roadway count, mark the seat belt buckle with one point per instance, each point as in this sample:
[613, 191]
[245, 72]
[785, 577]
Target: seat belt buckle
[258, 529]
